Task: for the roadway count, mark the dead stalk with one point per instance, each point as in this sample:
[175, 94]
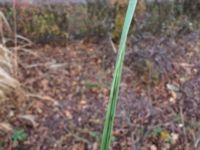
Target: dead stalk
[184, 128]
[15, 39]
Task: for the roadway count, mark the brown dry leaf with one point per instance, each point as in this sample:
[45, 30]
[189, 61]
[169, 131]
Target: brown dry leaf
[68, 114]
[175, 137]
[38, 106]
[172, 100]
[83, 102]
[153, 147]
[6, 127]
[74, 83]
[76, 71]
[105, 91]
[73, 53]
[95, 90]
[173, 94]
[173, 97]
[48, 98]
[118, 132]
[45, 84]
[78, 146]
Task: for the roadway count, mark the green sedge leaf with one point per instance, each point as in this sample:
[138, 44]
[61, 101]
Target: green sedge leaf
[108, 125]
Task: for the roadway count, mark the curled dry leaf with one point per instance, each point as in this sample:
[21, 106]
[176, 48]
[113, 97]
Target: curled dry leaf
[68, 114]
[6, 127]
[29, 118]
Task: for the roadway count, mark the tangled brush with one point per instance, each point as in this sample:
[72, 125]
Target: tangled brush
[7, 82]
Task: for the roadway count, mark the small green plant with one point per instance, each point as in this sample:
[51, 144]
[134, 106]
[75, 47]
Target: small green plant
[19, 135]
[108, 126]
[157, 131]
[177, 119]
[162, 134]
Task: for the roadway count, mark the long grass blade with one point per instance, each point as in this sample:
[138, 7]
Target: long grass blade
[108, 125]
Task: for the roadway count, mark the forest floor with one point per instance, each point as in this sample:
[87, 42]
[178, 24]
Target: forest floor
[67, 91]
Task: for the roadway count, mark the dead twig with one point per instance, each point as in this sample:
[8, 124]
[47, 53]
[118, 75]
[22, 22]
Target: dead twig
[113, 45]
[197, 142]
[184, 128]
[5, 21]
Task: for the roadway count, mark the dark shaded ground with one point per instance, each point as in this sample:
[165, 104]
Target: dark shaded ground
[68, 87]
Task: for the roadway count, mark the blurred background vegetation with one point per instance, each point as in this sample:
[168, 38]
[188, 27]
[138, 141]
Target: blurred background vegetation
[50, 23]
